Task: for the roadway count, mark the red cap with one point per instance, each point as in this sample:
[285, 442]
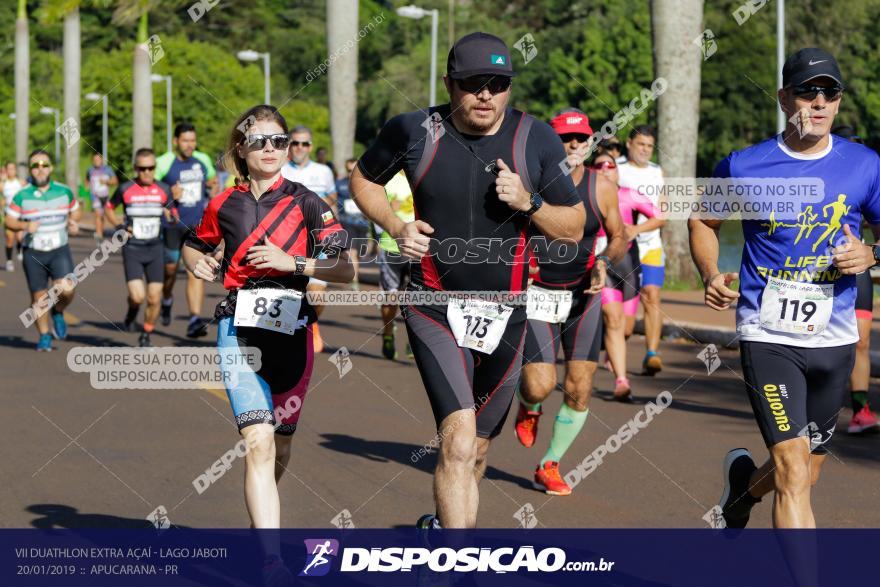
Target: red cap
[571, 122]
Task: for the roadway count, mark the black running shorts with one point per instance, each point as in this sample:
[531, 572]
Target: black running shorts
[460, 378]
[580, 334]
[796, 391]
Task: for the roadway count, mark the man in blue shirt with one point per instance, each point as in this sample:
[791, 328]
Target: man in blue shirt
[190, 173]
[795, 309]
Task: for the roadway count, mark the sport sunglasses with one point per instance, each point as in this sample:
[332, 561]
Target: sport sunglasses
[495, 84]
[604, 165]
[258, 142]
[809, 92]
[40, 165]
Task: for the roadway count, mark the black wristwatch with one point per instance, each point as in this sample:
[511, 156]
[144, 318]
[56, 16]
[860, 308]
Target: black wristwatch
[300, 265]
[537, 201]
[876, 250]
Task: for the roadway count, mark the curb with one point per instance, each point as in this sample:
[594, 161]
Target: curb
[696, 333]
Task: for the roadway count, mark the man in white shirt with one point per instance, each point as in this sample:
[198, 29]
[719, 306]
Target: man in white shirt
[646, 177]
[318, 178]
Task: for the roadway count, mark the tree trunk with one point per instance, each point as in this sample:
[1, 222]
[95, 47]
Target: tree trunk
[676, 23]
[342, 29]
[142, 92]
[72, 66]
[22, 89]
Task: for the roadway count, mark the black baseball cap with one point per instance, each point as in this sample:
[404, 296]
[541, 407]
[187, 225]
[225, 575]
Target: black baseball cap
[810, 63]
[479, 54]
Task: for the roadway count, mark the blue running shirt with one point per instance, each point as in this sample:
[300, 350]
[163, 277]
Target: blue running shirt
[787, 279]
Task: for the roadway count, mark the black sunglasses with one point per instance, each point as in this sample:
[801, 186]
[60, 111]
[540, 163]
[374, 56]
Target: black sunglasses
[145, 168]
[570, 136]
[809, 92]
[258, 142]
[474, 85]
[301, 143]
[40, 164]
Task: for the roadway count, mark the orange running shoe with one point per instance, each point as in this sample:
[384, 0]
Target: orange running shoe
[548, 479]
[527, 426]
[317, 341]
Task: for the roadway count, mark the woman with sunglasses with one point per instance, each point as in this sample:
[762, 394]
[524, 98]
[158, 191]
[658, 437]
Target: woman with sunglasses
[620, 296]
[273, 231]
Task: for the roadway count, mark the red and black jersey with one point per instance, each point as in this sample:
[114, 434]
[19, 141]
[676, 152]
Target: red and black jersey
[144, 204]
[288, 215]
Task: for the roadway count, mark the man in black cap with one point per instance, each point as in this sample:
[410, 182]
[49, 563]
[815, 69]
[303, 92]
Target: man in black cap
[484, 176]
[795, 306]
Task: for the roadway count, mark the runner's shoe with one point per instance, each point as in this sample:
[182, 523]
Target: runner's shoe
[428, 522]
[144, 340]
[548, 479]
[197, 328]
[863, 420]
[409, 353]
[45, 343]
[526, 427]
[59, 326]
[736, 502]
[652, 363]
[389, 350]
[317, 341]
[10, 266]
[622, 390]
[20, 255]
[165, 313]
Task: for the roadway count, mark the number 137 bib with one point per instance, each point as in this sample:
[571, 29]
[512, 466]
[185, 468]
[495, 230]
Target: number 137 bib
[796, 307]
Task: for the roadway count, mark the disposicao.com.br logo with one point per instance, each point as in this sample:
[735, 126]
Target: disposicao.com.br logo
[320, 553]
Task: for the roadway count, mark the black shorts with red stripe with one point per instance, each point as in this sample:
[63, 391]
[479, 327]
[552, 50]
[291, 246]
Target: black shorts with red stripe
[463, 379]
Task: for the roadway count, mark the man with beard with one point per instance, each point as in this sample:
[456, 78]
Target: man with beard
[482, 174]
[47, 211]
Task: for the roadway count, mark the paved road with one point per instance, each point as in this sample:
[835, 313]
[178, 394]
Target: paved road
[77, 456]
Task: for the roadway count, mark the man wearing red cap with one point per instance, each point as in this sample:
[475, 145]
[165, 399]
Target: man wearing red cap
[565, 307]
[484, 177]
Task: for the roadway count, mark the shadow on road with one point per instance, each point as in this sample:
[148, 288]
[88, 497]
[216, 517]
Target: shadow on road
[64, 516]
[383, 451]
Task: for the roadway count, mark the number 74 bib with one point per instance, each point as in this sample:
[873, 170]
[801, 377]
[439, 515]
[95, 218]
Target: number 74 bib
[795, 307]
[268, 308]
[477, 324]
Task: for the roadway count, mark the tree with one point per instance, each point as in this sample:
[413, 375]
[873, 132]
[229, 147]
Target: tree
[342, 32]
[22, 88]
[677, 23]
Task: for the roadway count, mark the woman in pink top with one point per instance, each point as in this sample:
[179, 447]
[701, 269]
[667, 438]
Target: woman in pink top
[620, 296]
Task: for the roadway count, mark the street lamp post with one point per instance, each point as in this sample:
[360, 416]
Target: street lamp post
[103, 97]
[780, 58]
[416, 12]
[47, 110]
[249, 55]
[156, 78]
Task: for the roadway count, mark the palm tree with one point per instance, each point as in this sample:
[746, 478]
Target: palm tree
[22, 87]
[69, 10]
[342, 27]
[676, 24]
[128, 12]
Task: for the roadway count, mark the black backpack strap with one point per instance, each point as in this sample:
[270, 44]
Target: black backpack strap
[519, 150]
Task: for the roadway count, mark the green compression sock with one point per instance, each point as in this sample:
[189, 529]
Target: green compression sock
[530, 407]
[567, 426]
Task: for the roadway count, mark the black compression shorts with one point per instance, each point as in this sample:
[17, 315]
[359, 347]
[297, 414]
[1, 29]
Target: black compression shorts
[624, 275]
[864, 295]
[144, 261]
[796, 391]
[459, 378]
[580, 334]
[41, 267]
